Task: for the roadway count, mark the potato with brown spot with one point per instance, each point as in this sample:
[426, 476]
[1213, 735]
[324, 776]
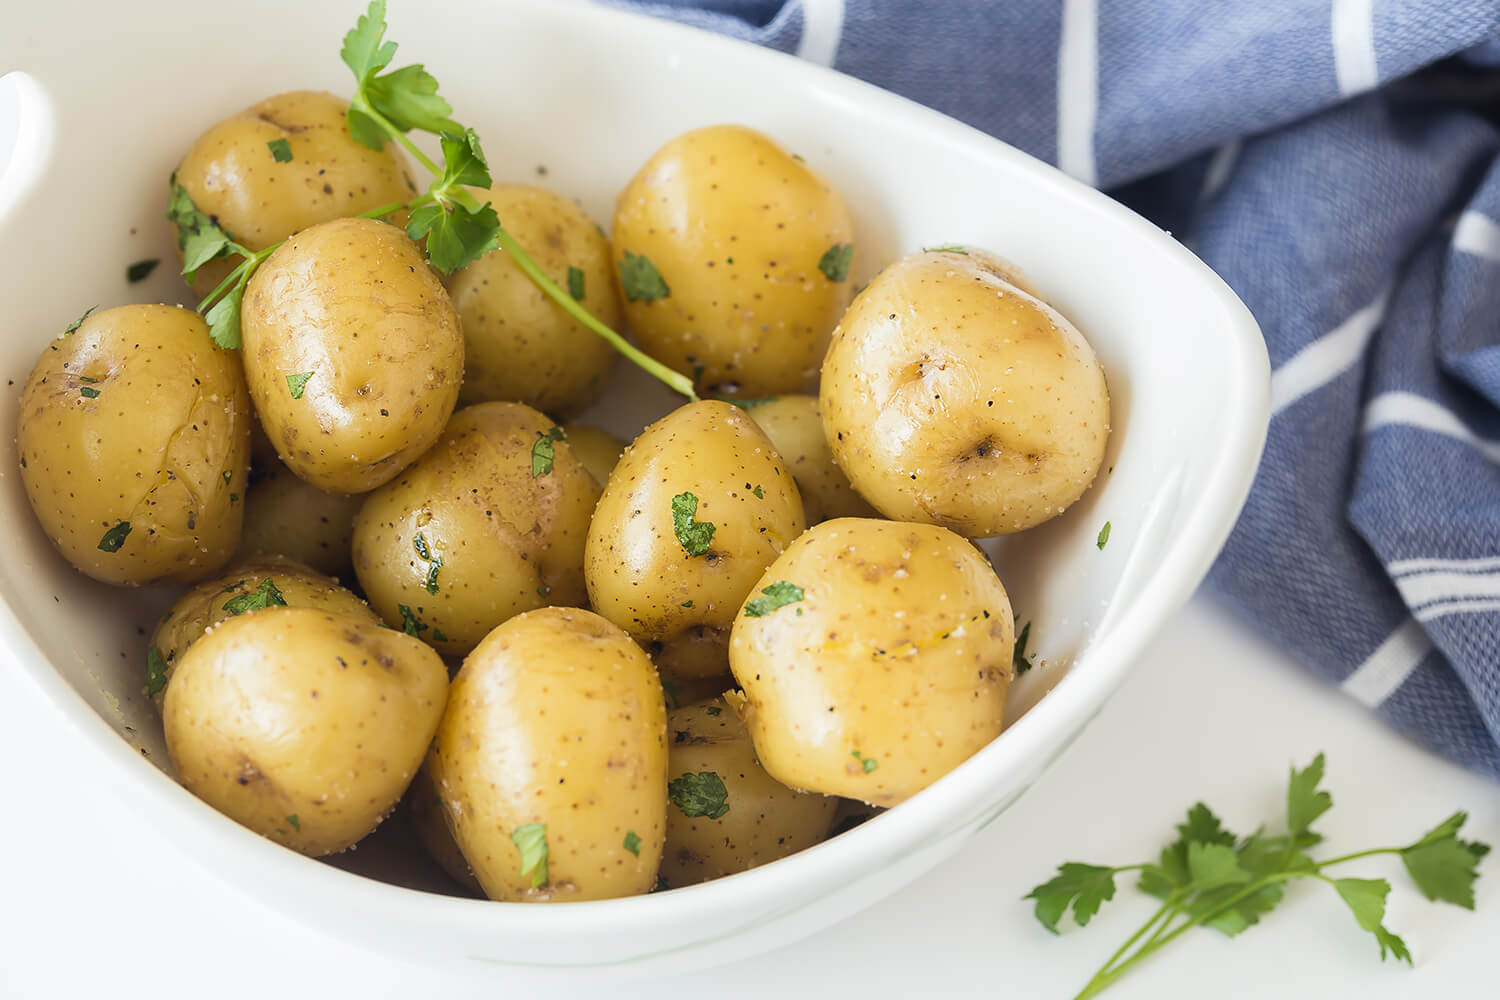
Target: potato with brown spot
[519, 345]
[698, 507]
[480, 529]
[796, 429]
[753, 250]
[243, 590]
[233, 176]
[304, 726]
[950, 396]
[130, 432]
[352, 352]
[762, 819]
[286, 516]
[555, 727]
[875, 657]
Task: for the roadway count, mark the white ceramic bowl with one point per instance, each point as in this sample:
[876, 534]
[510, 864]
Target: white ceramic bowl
[113, 93]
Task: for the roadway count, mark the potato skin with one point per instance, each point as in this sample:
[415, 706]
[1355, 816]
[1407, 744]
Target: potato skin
[952, 397]
[796, 429]
[519, 345]
[432, 830]
[766, 820]
[736, 226]
[163, 445]
[285, 516]
[299, 712]
[231, 174]
[598, 450]
[639, 574]
[203, 607]
[353, 302]
[508, 541]
[556, 718]
[899, 651]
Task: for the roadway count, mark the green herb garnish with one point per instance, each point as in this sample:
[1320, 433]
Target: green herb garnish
[1103, 539]
[1018, 661]
[693, 536]
[868, 763]
[673, 694]
[575, 283]
[543, 451]
[632, 843]
[777, 595]
[713, 710]
[73, 326]
[640, 280]
[141, 270]
[296, 384]
[88, 393]
[836, 260]
[296, 823]
[531, 841]
[264, 596]
[434, 561]
[701, 794]
[281, 150]
[1209, 877]
[409, 623]
[952, 248]
[156, 671]
[115, 537]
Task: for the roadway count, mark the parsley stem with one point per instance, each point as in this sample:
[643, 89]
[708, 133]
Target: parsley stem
[359, 103]
[1167, 909]
[384, 210]
[229, 280]
[1363, 854]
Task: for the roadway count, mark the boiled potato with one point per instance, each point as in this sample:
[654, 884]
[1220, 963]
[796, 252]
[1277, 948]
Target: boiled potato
[952, 397]
[874, 658]
[232, 174]
[480, 529]
[519, 345]
[727, 814]
[795, 428]
[432, 830]
[134, 439]
[352, 352]
[699, 505]
[733, 258]
[303, 725]
[551, 760]
[241, 590]
[289, 517]
[599, 451]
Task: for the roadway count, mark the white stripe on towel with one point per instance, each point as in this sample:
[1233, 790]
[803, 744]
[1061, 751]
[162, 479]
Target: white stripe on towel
[1470, 607]
[1478, 234]
[1328, 357]
[1078, 88]
[1354, 46]
[1386, 669]
[1407, 409]
[822, 27]
[1483, 564]
[1420, 590]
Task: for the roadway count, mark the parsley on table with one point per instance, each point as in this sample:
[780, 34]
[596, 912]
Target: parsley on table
[776, 595]
[264, 596]
[575, 283]
[156, 671]
[115, 537]
[640, 280]
[281, 150]
[836, 260]
[531, 841]
[694, 536]
[543, 451]
[141, 270]
[633, 842]
[701, 794]
[297, 384]
[1019, 662]
[1209, 877]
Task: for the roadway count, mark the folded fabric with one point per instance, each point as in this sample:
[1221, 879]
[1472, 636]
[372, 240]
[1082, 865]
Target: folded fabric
[1338, 163]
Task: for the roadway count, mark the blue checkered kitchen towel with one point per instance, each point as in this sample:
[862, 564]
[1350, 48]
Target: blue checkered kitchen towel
[1336, 162]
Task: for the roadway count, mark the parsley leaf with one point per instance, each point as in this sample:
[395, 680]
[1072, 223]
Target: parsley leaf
[410, 625]
[464, 164]
[408, 99]
[1086, 887]
[199, 237]
[575, 283]
[455, 237]
[73, 326]
[640, 280]
[701, 794]
[281, 150]
[760, 494]
[1366, 898]
[693, 536]
[542, 452]
[297, 384]
[1305, 802]
[156, 671]
[633, 843]
[1444, 867]
[364, 52]
[1018, 661]
[777, 595]
[224, 320]
[141, 270]
[115, 537]
[88, 393]
[836, 260]
[434, 561]
[296, 823]
[264, 596]
[1103, 538]
[531, 841]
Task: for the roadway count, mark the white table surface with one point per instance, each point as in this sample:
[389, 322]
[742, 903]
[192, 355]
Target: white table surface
[93, 902]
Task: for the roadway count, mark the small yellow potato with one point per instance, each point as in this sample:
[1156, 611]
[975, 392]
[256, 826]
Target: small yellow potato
[952, 397]
[490, 523]
[233, 175]
[134, 438]
[243, 589]
[733, 257]
[874, 657]
[353, 353]
[795, 428]
[432, 830]
[699, 505]
[286, 516]
[598, 450]
[304, 726]
[551, 760]
[726, 814]
[519, 345]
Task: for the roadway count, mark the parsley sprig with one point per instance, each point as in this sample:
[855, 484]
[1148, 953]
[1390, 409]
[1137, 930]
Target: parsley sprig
[1209, 877]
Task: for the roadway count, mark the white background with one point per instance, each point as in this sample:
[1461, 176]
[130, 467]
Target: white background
[95, 902]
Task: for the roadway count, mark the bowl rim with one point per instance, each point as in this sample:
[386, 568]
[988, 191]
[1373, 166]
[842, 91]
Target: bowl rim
[214, 840]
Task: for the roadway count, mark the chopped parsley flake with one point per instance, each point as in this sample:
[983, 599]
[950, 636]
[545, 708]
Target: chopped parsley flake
[701, 794]
[836, 260]
[261, 597]
[115, 537]
[141, 270]
[88, 393]
[543, 453]
[531, 841]
[633, 843]
[575, 284]
[1018, 658]
[156, 671]
[281, 150]
[640, 279]
[1103, 536]
[694, 536]
[777, 595]
[295, 384]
